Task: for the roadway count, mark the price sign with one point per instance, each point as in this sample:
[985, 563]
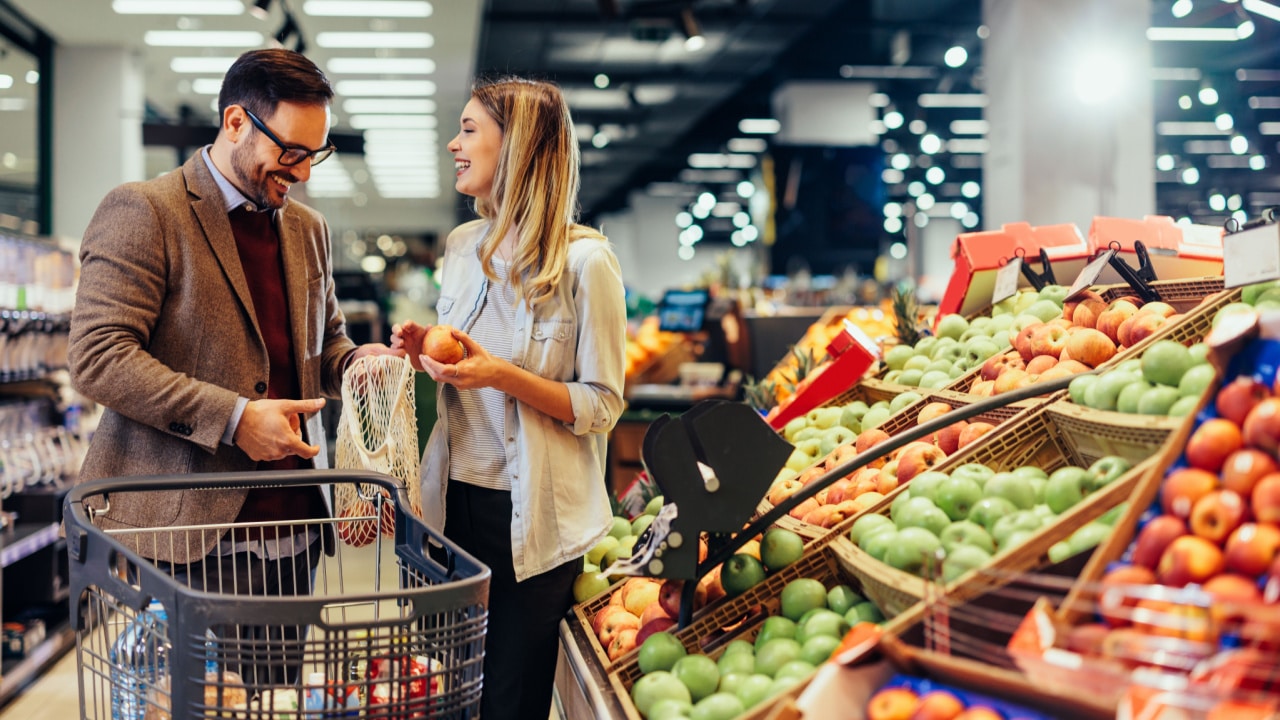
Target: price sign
[1007, 280]
[1251, 256]
[1089, 275]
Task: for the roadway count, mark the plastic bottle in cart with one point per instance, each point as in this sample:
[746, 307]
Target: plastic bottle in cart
[139, 657]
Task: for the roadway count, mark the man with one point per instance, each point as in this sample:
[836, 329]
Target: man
[206, 324]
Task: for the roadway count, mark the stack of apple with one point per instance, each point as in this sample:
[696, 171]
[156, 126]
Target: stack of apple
[961, 345]
[819, 431]
[1169, 379]
[617, 544]
[642, 606]
[901, 702]
[1218, 521]
[868, 485]
[787, 648]
[974, 513]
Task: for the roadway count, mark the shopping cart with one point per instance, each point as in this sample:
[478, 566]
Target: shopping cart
[156, 640]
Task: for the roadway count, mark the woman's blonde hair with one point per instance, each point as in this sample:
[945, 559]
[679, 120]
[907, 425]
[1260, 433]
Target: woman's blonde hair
[535, 186]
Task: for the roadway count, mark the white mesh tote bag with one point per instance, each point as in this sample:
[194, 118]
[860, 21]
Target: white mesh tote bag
[377, 431]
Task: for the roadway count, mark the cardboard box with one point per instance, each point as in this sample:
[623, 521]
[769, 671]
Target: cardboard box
[1176, 251]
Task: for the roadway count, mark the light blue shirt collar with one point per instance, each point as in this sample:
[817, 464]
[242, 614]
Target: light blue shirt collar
[231, 197]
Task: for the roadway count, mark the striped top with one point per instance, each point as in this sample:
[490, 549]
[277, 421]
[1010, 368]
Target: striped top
[477, 419]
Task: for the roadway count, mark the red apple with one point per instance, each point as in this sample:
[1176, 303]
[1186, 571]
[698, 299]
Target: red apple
[896, 703]
[611, 620]
[1252, 548]
[932, 410]
[937, 705]
[639, 593]
[1115, 595]
[655, 612]
[1161, 309]
[657, 625]
[1154, 537]
[1041, 363]
[669, 596]
[1011, 379]
[1211, 443]
[1144, 326]
[1189, 559]
[1236, 398]
[1064, 368]
[1265, 500]
[917, 460]
[840, 455]
[948, 438]
[783, 489]
[1183, 487]
[1233, 597]
[996, 364]
[868, 439]
[1216, 515]
[841, 489]
[1048, 339]
[622, 643]
[974, 431]
[983, 388]
[1244, 468]
[1022, 342]
[805, 507]
[1261, 427]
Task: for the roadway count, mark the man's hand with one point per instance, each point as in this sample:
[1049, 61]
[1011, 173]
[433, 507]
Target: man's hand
[408, 338]
[272, 429]
[375, 349]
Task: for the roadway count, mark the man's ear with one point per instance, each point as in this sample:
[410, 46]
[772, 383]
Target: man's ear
[234, 122]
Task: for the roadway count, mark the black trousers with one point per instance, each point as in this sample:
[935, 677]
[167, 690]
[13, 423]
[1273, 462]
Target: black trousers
[522, 643]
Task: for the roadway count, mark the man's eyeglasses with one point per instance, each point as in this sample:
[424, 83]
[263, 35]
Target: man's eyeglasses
[291, 154]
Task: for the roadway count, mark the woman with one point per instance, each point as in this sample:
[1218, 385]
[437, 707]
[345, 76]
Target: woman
[514, 469]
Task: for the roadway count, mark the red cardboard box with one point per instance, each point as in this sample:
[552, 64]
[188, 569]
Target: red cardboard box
[979, 255]
[1176, 251]
[852, 353]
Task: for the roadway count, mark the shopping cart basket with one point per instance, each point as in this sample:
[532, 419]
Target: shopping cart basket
[156, 640]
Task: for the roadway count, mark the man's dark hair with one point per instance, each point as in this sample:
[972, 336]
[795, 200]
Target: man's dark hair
[259, 80]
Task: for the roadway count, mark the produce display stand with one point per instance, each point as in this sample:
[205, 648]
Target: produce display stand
[1175, 251]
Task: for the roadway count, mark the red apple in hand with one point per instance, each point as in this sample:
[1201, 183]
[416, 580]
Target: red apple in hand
[1244, 468]
[1155, 537]
[1262, 426]
[1183, 487]
[1211, 443]
[1238, 397]
[1189, 559]
[1216, 515]
[1252, 548]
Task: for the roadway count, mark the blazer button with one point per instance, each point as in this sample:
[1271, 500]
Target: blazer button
[260, 387]
[175, 427]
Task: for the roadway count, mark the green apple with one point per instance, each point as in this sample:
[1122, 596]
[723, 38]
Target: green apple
[1015, 538]
[1131, 396]
[795, 670]
[1165, 362]
[975, 332]
[966, 532]
[926, 483]
[801, 595]
[754, 690]
[914, 550]
[1046, 310]
[910, 378]
[825, 417]
[740, 663]
[773, 627]
[842, 597]
[779, 548]
[740, 646]
[1132, 365]
[1184, 407]
[660, 651]
[1066, 487]
[1012, 488]
[799, 460]
[896, 357]
[890, 377]
[1044, 512]
[919, 361]
[1079, 385]
[597, 552]
[899, 502]
[963, 559]
[901, 400]
[935, 380]
[878, 543]
[851, 416]
[720, 706]
[869, 523]
[1009, 524]
[698, 673]
[1249, 293]
[822, 622]
[1055, 293]
[977, 351]
[1158, 400]
[811, 446]
[1199, 352]
[1023, 300]
[952, 326]
[670, 709]
[1106, 470]
[588, 585]
[1088, 536]
[654, 506]
[956, 496]
[1102, 395]
[1197, 380]
[875, 417]
[950, 352]
[810, 432]
[986, 511]
[793, 426]
[1060, 551]
[655, 686]
[621, 527]
[774, 654]
[833, 438]
[739, 573]
[976, 472]
[864, 612]
[1004, 308]
[640, 524]
[922, 513]
[817, 649]
[1000, 324]
[589, 567]
[1230, 309]
[1030, 472]
[1113, 515]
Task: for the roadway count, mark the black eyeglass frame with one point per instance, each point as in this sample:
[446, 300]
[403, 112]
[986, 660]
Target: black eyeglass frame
[316, 156]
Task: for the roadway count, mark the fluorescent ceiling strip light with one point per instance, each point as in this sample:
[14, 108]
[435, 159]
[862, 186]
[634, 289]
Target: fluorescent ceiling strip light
[385, 88]
[1176, 34]
[956, 100]
[708, 160]
[368, 8]
[401, 40]
[388, 106]
[178, 7]
[1269, 128]
[1264, 102]
[1265, 9]
[1255, 75]
[367, 122]
[1189, 128]
[748, 145]
[1175, 73]
[381, 66]
[970, 127]
[396, 195]
[968, 145]
[1207, 147]
[399, 137]
[888, 72]
[202, 38]
[202, 65]
[759, 126]
[1229, 162]
[12, 104]
[206, 86]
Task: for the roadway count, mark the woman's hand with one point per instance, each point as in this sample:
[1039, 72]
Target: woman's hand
[477, 368]
[408, 337]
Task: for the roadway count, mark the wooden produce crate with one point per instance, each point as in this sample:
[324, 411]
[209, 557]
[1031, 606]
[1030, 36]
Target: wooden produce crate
[1032, 439]
[1198, 310]
[740, 619]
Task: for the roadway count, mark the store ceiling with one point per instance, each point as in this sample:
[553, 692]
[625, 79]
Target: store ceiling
[665, 102]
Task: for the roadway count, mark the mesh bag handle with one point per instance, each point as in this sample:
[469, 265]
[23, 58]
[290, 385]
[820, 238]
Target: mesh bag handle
[378, 432]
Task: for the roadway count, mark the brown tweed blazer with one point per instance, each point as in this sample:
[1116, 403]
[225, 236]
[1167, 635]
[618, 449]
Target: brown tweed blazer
[164, 336]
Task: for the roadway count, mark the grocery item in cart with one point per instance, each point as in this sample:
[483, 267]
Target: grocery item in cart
[139, 657]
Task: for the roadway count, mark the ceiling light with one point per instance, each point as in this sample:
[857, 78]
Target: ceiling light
[893, 224]
[1265, 9]
[178, 7]
[33, 77]
[921, 219]
[1175, 74]
[694, 40]
[385, 88]
[917, 127]
[935, 175]
[970, 221]
[399, 40]
[1176, 34]
[1239, 144]
[970, 127]
[206, 86]
[900, 161]
[930, 144]
[683, 219]
[708, 160]
[388, 106]
[380, 66]
[893, 119]
[684, 252]
[1245, 29]
[892, 210]
[1188, 128]
[1235, 202]
[261, 9]
[969, 146]
[601, 81]
[1257, 162]
[1217, 202]
[925, 201]
[952, 100]
[368, 8]
[888, 72]
[898, 250]
[1224, 121]
[1181, 8]
[878, 100]
[202, 65]
[746, 189]
[970, 189]
[1269, 128]
[1184, 102]
[366, 122]
[1165, 163]
[747, 145]
[759, 126]
[915, 188]
[599, 140]
[892, 176]
[1097, 77]
[959, 210]
[955, 56]
[1190, 176]
[6, 81]
[205, 38]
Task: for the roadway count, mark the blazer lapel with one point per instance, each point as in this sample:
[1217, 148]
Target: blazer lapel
[208, 206]
[294, 256]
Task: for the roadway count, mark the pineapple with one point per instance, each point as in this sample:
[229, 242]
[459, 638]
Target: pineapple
[761, 394]
[906, 315]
